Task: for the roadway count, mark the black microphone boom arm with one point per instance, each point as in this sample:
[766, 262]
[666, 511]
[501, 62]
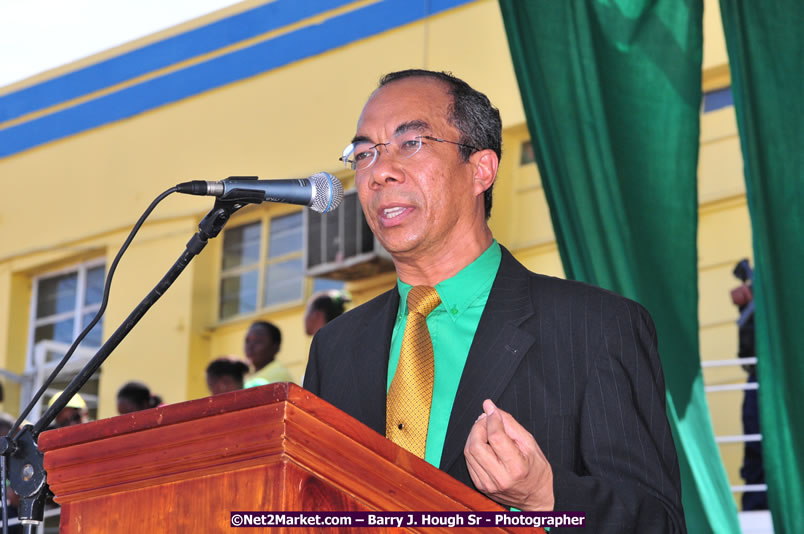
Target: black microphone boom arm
[25, 461]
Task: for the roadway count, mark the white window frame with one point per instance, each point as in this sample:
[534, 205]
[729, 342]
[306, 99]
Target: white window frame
[36, 376]
[263, 263]
[755, 521]
[37, 368]
[80, 290]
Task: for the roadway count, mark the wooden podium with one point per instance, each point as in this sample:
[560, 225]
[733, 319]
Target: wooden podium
[183, 468]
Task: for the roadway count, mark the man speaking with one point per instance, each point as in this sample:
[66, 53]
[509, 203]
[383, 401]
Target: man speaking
[541, 393]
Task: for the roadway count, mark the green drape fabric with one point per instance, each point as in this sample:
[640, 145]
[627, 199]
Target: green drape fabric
[766, 56]
[612, 92]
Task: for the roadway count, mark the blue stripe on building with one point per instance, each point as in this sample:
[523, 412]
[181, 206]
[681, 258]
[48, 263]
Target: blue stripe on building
[238, 65]
[714, 100]
[161, 54]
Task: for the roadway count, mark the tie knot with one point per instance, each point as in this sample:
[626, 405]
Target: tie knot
[423, 300]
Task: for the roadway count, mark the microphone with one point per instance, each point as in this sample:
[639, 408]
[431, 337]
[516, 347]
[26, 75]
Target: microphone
[321, 192]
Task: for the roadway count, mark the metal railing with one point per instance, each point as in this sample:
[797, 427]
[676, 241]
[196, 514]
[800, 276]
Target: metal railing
[739, 386]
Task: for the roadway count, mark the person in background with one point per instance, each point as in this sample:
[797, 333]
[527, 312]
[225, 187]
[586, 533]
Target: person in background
[225, 374]
[135, 396]
[753, 469]
[323, 307]
[261, 346]
[75, 412]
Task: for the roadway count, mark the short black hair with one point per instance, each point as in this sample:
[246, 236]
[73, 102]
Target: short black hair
[330, 303]
[138, 394]
[228, 366]
[271, 328]
[471, 112]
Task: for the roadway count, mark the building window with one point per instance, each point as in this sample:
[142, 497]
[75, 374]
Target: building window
[65, 303]
[325, 284]
[62, 305]
[259, 272]
[284, 273]
[526, 153]
[241, 263]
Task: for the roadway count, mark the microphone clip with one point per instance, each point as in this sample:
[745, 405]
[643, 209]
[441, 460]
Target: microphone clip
[245, 196]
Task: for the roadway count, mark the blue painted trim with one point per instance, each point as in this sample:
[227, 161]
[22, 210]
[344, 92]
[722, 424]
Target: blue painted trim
[714, 100]
[256, 59]
[161, 54]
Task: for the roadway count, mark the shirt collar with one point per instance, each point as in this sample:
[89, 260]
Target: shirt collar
[461, 290]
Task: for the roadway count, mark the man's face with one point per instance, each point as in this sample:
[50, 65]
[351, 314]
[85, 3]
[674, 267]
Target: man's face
[69, 417]
[423, 206]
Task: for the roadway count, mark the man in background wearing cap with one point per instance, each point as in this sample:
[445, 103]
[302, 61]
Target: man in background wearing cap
[74, 413]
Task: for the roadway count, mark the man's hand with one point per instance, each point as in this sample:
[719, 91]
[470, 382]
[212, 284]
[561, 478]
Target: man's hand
[506, 463]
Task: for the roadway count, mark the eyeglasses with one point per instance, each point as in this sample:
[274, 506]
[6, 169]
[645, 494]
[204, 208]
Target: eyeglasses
[361, 156]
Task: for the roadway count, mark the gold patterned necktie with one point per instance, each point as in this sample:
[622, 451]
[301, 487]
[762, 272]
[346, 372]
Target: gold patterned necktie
[411, 392]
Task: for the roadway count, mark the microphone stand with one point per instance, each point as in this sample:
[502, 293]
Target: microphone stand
[25, 462]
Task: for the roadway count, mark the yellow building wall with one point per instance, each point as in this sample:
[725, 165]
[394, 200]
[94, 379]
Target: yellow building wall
[715, 56]
[724, 238]
[156, 351]
[13, 330]
[291, 122]
[288, 122]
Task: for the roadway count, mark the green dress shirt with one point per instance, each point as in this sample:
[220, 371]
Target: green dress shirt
[452, 325]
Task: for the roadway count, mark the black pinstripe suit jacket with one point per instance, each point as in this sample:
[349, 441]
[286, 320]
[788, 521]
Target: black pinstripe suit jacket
[574, 364]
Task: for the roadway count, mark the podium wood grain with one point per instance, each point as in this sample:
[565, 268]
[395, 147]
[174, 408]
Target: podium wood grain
[185, 467]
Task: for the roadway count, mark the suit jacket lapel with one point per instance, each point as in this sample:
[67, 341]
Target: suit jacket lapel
[497, 349]
[372, 344]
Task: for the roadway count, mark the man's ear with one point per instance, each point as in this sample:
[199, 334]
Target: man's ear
[484, 165]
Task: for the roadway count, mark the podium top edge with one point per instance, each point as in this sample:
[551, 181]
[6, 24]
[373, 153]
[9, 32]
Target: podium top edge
[182, 412]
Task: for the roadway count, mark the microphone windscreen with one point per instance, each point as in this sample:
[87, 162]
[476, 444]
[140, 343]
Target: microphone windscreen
[328, 192]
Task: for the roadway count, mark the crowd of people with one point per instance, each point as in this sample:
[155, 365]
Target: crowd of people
[224, 374]
[258, 367]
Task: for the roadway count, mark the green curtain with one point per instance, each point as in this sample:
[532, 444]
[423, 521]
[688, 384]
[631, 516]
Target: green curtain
[766, 56]
[612, 92]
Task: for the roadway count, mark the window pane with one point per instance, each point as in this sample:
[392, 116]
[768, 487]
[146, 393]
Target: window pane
[315, 223]
[53, 355]
[56, 295]
[333, 236]
[238, 294]
[349, 238]
[325, 284]
[291, 221]
[61, 331]
[241, 245]
[94, 285]
[286, 235]
[95, 336]
[528, 155]
[283, 282]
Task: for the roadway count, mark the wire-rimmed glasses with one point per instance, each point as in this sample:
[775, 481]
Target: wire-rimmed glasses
[362, 155]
